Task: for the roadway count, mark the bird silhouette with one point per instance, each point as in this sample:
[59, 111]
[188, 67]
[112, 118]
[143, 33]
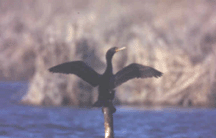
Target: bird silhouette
[108, 81]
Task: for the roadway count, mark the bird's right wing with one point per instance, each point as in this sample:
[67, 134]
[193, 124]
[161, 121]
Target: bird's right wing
[80, 69]
[134, 71]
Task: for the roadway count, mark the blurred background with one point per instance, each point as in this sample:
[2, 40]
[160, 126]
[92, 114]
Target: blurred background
[175, 37]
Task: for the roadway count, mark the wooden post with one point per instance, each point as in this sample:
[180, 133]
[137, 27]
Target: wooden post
[108, 122]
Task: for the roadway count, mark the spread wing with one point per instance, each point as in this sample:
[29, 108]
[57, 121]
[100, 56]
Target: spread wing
[80, 69]
[134, 71]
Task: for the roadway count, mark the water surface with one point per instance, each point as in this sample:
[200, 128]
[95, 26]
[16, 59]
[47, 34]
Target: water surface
[19, 121]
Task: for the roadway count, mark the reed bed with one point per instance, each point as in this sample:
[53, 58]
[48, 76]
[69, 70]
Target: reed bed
[175, 37]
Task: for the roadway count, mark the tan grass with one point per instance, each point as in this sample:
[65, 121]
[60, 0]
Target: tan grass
[175, 37]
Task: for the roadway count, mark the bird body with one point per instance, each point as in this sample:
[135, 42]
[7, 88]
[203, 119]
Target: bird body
[108, 81]
[106, 84]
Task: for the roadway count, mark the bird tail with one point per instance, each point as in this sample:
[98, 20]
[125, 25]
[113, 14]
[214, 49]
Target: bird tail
[100, 103]
[97, 104]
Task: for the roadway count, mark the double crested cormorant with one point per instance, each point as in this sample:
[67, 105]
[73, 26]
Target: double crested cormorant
[108, 81]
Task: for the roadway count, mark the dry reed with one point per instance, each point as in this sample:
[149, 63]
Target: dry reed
[175, 37]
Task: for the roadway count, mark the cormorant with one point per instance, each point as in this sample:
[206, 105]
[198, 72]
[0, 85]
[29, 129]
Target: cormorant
[108, 81]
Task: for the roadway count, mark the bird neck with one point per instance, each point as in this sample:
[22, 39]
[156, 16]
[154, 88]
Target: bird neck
[109, 69]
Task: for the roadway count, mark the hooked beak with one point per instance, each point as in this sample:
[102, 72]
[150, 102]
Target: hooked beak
[119, 49]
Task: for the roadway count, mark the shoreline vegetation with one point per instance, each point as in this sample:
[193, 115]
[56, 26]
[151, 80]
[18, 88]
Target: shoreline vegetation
[175, 37]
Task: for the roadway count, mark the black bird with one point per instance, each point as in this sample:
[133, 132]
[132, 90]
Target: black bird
[108, 81]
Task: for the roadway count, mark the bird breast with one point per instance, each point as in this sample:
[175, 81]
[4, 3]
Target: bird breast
[105, 84]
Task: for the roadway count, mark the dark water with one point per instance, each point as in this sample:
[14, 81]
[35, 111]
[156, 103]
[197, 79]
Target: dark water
[18, 121]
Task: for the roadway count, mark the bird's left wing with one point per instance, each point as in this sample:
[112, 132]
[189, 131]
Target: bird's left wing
[80, 69]
[134, 71]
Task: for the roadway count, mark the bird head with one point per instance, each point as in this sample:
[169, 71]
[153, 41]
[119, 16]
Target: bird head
[112, 51]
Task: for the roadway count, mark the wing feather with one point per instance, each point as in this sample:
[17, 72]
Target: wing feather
[80, 69]
[134, 71]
